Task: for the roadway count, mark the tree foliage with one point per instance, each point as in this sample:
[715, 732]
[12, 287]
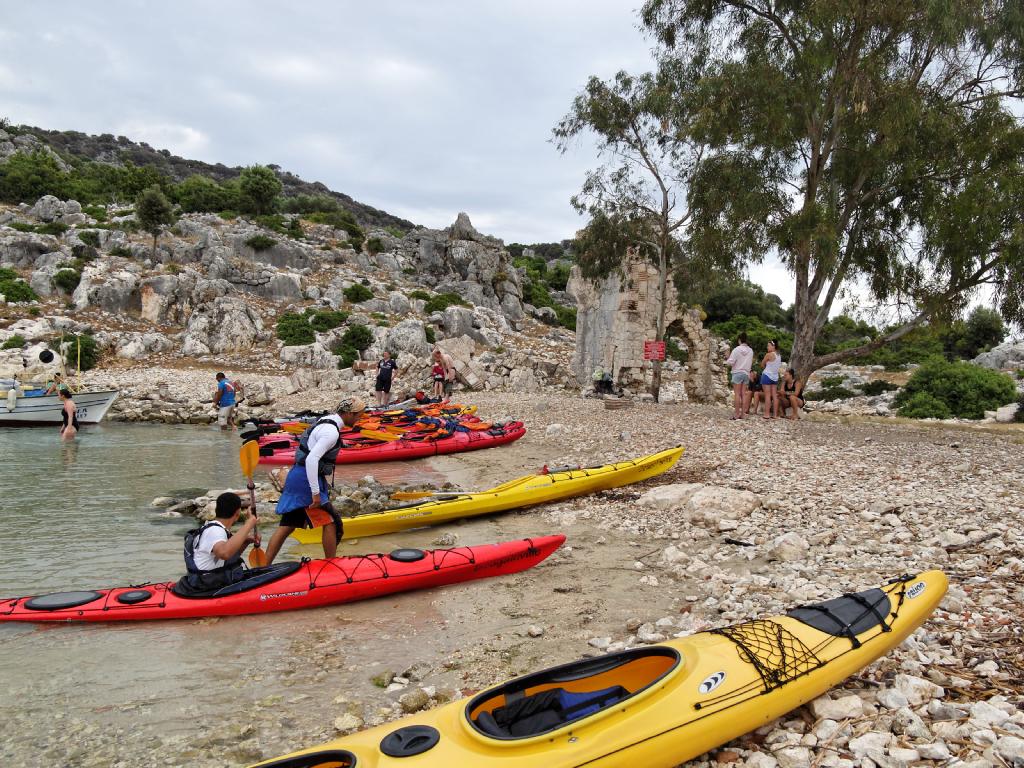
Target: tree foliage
[966, 390]
[259, 187]
[873, 142]
[153, 211]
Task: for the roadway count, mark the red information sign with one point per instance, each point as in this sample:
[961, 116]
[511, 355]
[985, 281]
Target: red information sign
[654, 350]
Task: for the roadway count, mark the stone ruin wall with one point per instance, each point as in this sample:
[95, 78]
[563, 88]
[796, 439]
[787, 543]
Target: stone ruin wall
[616, 314]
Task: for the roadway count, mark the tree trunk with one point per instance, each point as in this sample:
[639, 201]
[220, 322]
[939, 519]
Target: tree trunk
[153, 253]
[660, 331]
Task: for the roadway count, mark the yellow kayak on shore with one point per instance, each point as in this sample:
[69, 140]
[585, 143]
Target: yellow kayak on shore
[522, 492]
[654, 706]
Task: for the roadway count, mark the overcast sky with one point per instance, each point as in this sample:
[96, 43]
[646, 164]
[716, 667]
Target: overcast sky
[420, 108]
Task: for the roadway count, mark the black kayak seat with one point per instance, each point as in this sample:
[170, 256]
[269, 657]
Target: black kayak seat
[254, 577]
[847, 615]
[547, 710]
[57, 601]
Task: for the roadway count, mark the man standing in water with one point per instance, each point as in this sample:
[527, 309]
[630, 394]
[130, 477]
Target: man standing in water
[304, 501]
[224, 400]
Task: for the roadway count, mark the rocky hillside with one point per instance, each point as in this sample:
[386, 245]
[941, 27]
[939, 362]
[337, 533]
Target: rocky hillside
[70, 147]
[232, 294]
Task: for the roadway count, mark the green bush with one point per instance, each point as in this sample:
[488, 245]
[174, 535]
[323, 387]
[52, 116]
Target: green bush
[228, 215]
[120, 250]
[294, 329]
[295, 230]
[15, 289]
[395, 232]
[199, 193]
[566, 316]
[21, 226]
[674, 352]
[307, 204]
[260, 242]
[326, 319]
[259, 187]
[89, 352]
[877, 387]
[441, 301]
[346, 355]
[90, 237]
[966, 339]
[966, 390]
[922, 405]
[358, 336]
[98, 212]
[52, 228]
[830, 394]
[758, 335]
[15, 342]
[428, 331]
[67, 280]
[418, 294]
[358, 293]
[26, 177]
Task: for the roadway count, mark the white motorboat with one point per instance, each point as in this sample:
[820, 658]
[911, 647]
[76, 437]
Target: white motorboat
[36, 410]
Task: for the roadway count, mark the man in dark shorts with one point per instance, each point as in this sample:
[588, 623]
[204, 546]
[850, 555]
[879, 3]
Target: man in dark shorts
[386, 368]
[305, 502]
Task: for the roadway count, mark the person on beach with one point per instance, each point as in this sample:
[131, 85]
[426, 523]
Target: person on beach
[305, 502]
[437, 376]
[791, 396]
[224, 401]
[386, 375]
[213, 555]
[770, 379]
[69, 417]
[448, 366]
[756, 392]
[740, 360]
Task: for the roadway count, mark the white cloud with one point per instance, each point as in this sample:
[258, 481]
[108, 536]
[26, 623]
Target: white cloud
[296, 69]
[179, 139]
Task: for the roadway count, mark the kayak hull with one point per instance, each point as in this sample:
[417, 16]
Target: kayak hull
[681, 699]
[315, 583]
[404, 448]
[522, 492]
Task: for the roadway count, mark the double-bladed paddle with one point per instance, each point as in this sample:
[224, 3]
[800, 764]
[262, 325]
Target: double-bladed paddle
[249, 457]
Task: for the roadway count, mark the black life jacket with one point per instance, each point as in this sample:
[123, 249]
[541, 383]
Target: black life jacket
[329, 459]
[230, 571]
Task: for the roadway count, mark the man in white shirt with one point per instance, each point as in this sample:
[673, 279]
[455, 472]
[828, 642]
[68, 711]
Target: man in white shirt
[305, 502]
[740, 360]
[213, 555]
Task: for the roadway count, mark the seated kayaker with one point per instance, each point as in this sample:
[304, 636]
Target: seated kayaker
[304, 501]
[213, 555]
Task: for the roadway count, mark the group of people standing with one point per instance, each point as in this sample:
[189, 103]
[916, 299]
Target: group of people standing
[777, 394]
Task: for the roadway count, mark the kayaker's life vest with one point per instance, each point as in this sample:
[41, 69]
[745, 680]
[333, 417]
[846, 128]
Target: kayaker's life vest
[231, 567]
[329, 459]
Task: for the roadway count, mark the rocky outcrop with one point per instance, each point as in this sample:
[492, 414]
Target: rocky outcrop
[1007, 356]
[225, 324]
[11, 144]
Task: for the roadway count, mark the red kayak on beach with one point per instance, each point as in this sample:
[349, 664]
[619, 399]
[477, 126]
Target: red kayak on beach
[409, 446]
[292, 585]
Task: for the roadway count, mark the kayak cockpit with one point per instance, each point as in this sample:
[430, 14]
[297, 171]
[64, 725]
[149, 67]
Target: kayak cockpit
[548, 700]
[331, 758]
[254, 577]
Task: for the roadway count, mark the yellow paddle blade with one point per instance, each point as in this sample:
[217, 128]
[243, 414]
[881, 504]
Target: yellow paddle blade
[410, 495]
[375, 435]
[249, 457]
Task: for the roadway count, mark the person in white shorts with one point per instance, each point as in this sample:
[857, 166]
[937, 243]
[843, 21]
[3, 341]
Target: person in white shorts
[224, 399]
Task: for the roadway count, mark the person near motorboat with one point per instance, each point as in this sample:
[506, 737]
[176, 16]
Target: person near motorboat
[305, 500]
[224, 400]
[56, 384]
[69, 416]
[213, 555]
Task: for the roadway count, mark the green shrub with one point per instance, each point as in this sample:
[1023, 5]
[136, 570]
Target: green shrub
[67, 280]
[90, 237]
[358, 336]
[566, 316]
[428, 331]
[307, 204]
[758, 335]
[877, 387]
[374, 245]
[15, 289]
[674, 352]
[228, 215]
[120, 250]
[358, 293]
[15, 342]
[409, 270]
[259, 188]
[294, 329]
[98, 212]
[84, 254]
[346, 355]
[199, 193]
[22, 226]
[35, 311]
[1020, 374]
[966, 390]
[295, 230]
[922, 405]
[26, 177]
[326, 319]
[260, 242]
[8, 274]
[395, 232]
[418, 294]
[441, 301]
[89, 352]
[52, 228]
[172, 268]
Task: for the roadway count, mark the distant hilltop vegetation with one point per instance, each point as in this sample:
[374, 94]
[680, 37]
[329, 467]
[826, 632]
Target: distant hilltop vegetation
[73, 149]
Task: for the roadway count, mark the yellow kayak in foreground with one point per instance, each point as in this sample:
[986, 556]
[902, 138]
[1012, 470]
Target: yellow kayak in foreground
[655, 706]
[521, 492]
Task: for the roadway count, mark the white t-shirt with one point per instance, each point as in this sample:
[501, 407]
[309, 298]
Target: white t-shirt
[740, 359]
[203, 549]
[321, 440]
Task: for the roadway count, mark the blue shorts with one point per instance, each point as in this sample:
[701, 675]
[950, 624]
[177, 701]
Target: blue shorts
[766, 380]
[740, 377]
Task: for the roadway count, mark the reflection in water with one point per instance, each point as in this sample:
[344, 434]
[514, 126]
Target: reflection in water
[68, 453]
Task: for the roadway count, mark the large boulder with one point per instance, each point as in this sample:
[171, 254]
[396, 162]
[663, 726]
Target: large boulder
[136, 346]
[48, 208]
[1009, 355]
[407, 337]
[23, 249]
[314, 355]
[115, 292]
[225, 324]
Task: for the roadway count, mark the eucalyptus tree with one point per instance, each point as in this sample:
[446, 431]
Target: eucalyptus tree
[636, 199]
[876, 144]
